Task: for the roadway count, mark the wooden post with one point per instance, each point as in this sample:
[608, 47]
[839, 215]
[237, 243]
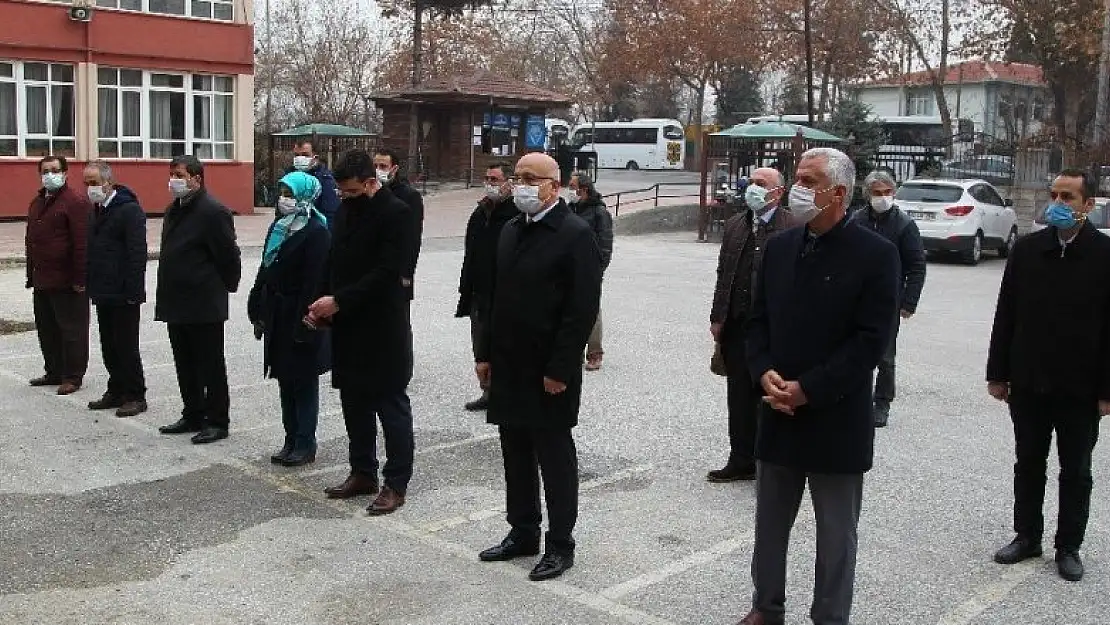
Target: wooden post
[703, 204]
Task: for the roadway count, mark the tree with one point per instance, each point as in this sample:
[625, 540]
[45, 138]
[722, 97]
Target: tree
[791, 98]
[1064, 38]
[738, 96]
[852, 120]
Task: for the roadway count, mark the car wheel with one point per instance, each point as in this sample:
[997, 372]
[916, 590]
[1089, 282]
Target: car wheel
[973, 255]
[632, 166]
[1008, 244]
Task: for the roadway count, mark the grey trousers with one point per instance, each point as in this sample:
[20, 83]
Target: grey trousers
[836, 504]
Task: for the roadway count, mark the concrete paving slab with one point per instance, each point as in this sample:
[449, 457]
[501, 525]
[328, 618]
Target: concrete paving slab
[113, 523]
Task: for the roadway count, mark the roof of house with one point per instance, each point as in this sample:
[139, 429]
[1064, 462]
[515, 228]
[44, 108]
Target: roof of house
[969, 72]
[481, 85]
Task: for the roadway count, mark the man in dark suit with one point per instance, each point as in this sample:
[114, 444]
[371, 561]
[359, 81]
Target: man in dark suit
[882, 216]
[199, 265]
[368, 308]
[1050, 361]
[117, 258]
[483, 230]
[825, 301]
[305, 159]
[742, 248]
[387, 167]
[546, 293]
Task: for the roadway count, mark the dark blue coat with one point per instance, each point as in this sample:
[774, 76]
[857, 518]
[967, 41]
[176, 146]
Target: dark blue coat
[823, 320]
[116, 256]
[280, 299]
[328, 202]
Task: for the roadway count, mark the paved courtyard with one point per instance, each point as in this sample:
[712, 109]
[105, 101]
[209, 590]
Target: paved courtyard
[105, 521]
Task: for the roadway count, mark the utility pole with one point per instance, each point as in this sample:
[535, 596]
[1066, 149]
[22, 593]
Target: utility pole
[809, 60]
[417, 70]
[270, 98]
[1102, 104]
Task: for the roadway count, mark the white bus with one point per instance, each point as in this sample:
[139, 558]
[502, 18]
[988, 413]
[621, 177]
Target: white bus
[638, 144]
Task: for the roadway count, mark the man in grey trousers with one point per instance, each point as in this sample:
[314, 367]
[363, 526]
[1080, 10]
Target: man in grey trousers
[825, 302]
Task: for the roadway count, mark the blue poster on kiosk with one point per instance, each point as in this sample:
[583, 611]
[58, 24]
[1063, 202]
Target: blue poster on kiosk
[535, 133]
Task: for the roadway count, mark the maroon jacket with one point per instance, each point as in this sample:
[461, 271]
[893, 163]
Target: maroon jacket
[57, 229]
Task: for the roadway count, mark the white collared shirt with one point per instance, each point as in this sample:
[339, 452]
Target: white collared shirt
[540, 215]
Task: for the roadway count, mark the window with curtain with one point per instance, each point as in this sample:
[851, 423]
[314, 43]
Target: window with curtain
[37, 114]
[206, 9]
[159, 115]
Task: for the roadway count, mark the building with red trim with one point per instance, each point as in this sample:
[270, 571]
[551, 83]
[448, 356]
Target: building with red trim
[137, 83]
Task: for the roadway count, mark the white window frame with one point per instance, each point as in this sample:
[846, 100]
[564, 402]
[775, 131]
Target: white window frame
[190, 140]
[118, 90]
[212, 95]
[919, 105]
[22, 135]
[230, 4]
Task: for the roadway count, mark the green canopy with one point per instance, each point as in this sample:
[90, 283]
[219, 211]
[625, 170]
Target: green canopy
[323, 130]
[776, 131]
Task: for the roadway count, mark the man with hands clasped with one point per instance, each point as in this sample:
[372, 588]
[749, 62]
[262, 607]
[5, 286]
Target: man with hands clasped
[825, 303]
[545, 298]
[1050, 361]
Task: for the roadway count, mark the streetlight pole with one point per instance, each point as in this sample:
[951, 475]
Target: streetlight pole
[809, 60]
[417, 69]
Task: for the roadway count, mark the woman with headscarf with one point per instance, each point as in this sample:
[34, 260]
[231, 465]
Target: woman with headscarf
[293, 260]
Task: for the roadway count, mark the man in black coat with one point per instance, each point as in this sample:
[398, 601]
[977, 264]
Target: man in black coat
[199, 266]
[896, 226]
[591, 208]
[387, 168]
[825, 301]
[116, 284]
[306, 160]
[546, 293]
[367, 306]
[1050, 361]
[483, 230]
[742, 246]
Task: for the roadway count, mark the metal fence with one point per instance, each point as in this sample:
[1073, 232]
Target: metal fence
[654, 193]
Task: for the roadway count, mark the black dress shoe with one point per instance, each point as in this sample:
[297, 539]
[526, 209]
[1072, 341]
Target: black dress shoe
[1021, 548]
[551, 565]
[478, 404]
[210, 434]
[510, 548]
[286, 449]
[1069, 565]
[731, 473]
[181, 426]
[106, 402]
[46, 381]
[300, 457]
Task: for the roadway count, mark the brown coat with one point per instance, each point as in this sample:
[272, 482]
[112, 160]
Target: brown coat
[57, 228]
[740, 261]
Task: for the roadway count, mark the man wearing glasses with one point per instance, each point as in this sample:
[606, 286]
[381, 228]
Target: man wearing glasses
[546, 293]
[741, 254]
[494, 210]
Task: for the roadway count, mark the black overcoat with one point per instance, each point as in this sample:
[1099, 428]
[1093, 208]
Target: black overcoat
[823, 319]
[546, 293]
[117, 251]
[371, 334]
[280, 299]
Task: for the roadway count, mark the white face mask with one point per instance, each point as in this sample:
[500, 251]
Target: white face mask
[881, 203]
[384, 176]
[53, 181]
[286, 205]
[97, 195]
[802, 204]
[302, 163]
[527, 199]
[179, 187]
[493, 191]
[756, 197]
[569, 196]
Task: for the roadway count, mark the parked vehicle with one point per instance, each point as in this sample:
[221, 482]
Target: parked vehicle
[990, 168]
[963, 217]
[638, 144]
[1099, 217]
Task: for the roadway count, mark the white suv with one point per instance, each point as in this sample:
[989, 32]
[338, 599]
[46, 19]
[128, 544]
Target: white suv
[961, 217]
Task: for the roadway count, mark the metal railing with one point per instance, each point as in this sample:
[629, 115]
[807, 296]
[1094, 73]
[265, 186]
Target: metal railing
[654, 197]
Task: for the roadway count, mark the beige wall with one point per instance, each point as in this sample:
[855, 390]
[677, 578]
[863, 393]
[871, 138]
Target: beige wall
[244, 118]
[85, 103]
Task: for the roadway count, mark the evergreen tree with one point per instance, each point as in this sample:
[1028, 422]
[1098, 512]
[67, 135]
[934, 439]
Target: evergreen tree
[738, 97]
[852, 121]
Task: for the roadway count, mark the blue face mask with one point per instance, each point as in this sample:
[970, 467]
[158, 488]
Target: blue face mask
[1060, 216]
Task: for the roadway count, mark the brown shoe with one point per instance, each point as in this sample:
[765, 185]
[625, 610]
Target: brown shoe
[69, 388]
[356, 484]
[132, 408]
[593, 362]
[386, 502]
[753, 618]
